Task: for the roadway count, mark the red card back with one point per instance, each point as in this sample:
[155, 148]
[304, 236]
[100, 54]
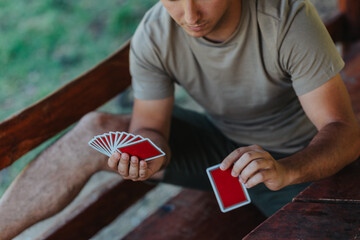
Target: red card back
[143, 150]
[229, 188]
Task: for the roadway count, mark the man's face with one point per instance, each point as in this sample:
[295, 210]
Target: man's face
[205, 18]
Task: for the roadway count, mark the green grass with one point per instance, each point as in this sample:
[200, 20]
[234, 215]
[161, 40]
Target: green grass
[46, 43]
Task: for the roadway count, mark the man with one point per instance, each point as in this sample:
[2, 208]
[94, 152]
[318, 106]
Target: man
[265, 71]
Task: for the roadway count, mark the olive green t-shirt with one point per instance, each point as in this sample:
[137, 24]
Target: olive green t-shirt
[249, 84]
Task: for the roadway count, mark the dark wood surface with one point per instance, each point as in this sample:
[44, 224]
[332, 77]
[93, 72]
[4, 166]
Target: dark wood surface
[351, 76]
[336, 26]
[311, 221]
[37, 123]
[341, 188]
[351, 9]
[96, 213]
[196, 215]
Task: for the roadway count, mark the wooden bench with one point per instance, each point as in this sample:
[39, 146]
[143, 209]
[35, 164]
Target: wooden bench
[190, 214]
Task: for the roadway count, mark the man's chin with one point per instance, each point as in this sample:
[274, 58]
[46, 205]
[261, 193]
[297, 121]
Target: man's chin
[196, 34]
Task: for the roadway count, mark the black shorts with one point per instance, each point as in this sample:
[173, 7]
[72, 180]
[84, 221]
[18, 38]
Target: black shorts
[197, 144]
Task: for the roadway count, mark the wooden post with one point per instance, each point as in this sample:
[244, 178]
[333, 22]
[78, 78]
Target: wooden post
[351, 10]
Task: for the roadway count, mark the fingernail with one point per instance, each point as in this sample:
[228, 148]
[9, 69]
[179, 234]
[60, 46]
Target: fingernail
[222, 166]
[233, 174]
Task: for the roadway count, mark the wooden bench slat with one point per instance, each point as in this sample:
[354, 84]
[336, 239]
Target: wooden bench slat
[336, 27]
[98, 212]
[196, 215]
[351, 8]
[37, 123]
[311, 221]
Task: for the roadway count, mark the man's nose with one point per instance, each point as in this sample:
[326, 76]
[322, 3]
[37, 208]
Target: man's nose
[191, 12]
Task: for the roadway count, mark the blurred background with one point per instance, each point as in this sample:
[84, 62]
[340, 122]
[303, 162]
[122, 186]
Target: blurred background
[46, 43]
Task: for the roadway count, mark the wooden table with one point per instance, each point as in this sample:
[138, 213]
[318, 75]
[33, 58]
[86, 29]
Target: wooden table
[328, 209]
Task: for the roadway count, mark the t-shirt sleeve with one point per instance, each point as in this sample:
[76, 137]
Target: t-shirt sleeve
[307, 52]
[150, 80]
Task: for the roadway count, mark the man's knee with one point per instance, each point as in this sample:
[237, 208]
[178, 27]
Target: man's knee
[99, 122]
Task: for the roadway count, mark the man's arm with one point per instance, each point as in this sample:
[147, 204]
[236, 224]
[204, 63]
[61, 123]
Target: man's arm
[338, 141]
[336, 144]
[150, 119]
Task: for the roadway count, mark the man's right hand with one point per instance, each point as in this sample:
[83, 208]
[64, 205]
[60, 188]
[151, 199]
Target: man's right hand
[129, 167]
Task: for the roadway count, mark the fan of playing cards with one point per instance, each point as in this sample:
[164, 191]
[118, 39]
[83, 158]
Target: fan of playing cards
[123, 142]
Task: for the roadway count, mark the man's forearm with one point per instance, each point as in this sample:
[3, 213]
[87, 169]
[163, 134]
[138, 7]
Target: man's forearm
[335, 146]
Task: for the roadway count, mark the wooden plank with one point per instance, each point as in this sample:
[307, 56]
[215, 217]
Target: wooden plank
[311, 221]
[351, 76]
[196, 215]
[340, 188]
[26, 130]
[351, 9]
[98, 211]
[336, 26]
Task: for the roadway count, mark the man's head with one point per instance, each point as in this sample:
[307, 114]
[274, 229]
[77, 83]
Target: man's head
[212, 19]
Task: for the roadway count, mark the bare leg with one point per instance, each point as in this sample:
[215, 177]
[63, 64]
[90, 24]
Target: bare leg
[52, 180]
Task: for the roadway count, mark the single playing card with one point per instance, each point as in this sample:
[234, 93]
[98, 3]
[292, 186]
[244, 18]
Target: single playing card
[108, 140]
[144, 149]
[113, 140]
[117, 139]
[229, 191]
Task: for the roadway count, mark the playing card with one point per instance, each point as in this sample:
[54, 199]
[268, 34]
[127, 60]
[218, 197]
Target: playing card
[133, 140]
[97, 145]
[105, 144]
[113, 139]
[125, 136]
[229, 191]
[134, 145]
[118, 138]
[94, 145]
[143, 149]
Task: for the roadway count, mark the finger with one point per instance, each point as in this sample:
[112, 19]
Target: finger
[143, 170]
[134, 167]
[232, 157]
[114, 160]
[236, 154]
[123, 167]
[257, 178]
[246, 159]
[252, 168]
